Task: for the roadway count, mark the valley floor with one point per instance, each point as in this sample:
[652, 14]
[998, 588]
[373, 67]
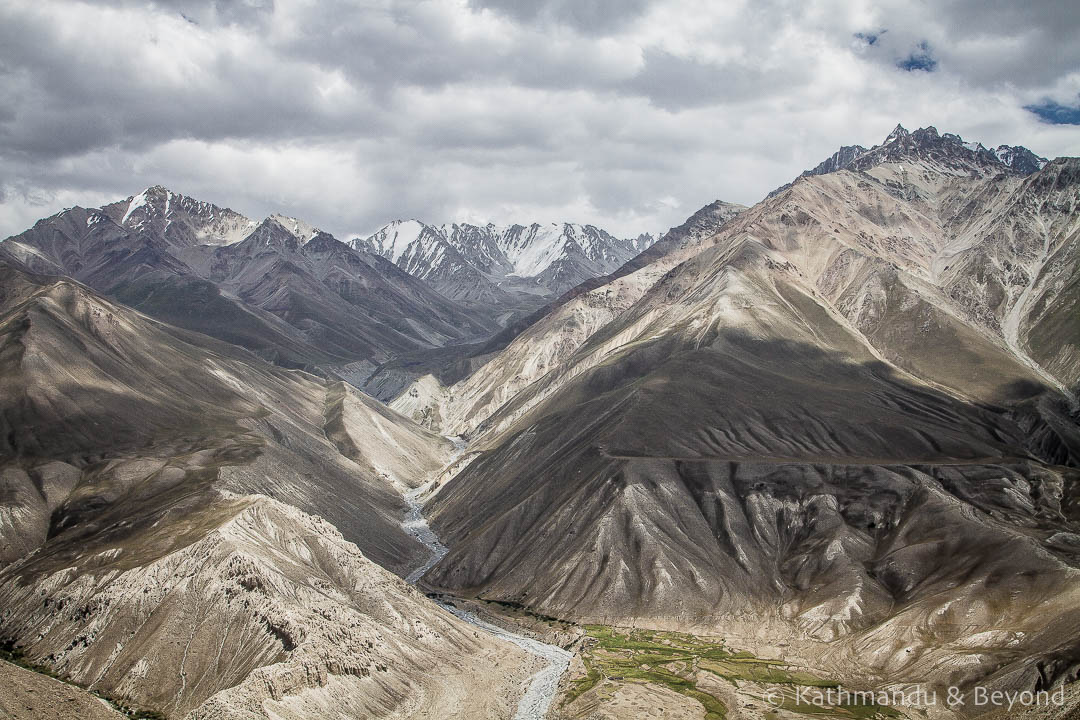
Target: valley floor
[617, 673]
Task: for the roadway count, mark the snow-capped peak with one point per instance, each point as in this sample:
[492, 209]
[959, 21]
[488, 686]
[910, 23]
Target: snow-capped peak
[179, 219]
[533, 249]
[395, 238]
[898, 132]
[558, 252]
[1019, 158]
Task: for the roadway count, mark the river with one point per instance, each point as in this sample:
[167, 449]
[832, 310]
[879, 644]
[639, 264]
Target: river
[544, 684]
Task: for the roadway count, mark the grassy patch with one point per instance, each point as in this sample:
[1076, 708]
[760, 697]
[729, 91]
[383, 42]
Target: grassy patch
[852, 709]
[647, 656]
[15, 656]
[674, 660]
[522, 609]
[582, 685]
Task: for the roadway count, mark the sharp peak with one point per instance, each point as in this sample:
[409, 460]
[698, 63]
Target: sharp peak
[154, 190]
[160, 191]
[402, 221]
[270, 221]
[279, 217]
[897, 133]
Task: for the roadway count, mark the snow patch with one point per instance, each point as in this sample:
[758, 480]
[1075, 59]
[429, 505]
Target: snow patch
[536, 248]
[137, 202]
[393, 240]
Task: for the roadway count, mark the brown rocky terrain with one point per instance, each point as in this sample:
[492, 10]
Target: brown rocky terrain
[811, 426]
[145, 559]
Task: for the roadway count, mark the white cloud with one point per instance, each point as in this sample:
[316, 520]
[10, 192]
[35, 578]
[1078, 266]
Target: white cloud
[629, 116]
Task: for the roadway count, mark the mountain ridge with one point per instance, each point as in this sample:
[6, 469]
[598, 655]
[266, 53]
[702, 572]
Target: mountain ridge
[838, 428]
[809, 423]
[547, 259]
[972, 156]
[184, 261]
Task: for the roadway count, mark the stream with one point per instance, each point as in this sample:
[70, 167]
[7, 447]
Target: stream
[544, 684]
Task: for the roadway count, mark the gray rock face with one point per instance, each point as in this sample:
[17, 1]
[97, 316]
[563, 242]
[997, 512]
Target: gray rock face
[947, 150]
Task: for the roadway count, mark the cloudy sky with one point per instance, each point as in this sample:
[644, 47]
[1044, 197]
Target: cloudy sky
[629, 114]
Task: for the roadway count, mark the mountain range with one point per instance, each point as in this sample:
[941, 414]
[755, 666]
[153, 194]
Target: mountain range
[292, 294]
[835, 433]
[297, 296]
[831, 420]
[486, 265]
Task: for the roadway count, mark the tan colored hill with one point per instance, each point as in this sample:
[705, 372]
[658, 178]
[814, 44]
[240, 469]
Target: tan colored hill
[807, 427]
[27, 695]
[144, 558]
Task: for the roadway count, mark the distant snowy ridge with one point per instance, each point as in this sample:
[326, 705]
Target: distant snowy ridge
[556, 255]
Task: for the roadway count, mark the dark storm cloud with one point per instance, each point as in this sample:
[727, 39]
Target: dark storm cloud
[625, 114]
[588, 16]
[674, 83]
[70, 98]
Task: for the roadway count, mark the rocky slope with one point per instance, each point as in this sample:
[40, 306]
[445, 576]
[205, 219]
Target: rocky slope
[103, 406]
[809, 425]
[280, 288]
[27, 695]
[265, 612]
[555, 333]
[189, 528]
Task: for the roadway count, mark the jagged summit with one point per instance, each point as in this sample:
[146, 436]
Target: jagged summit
[950, 151]
[898, 132]
[947, 151]
[183, 221]
[180, 220]
[302, 231]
